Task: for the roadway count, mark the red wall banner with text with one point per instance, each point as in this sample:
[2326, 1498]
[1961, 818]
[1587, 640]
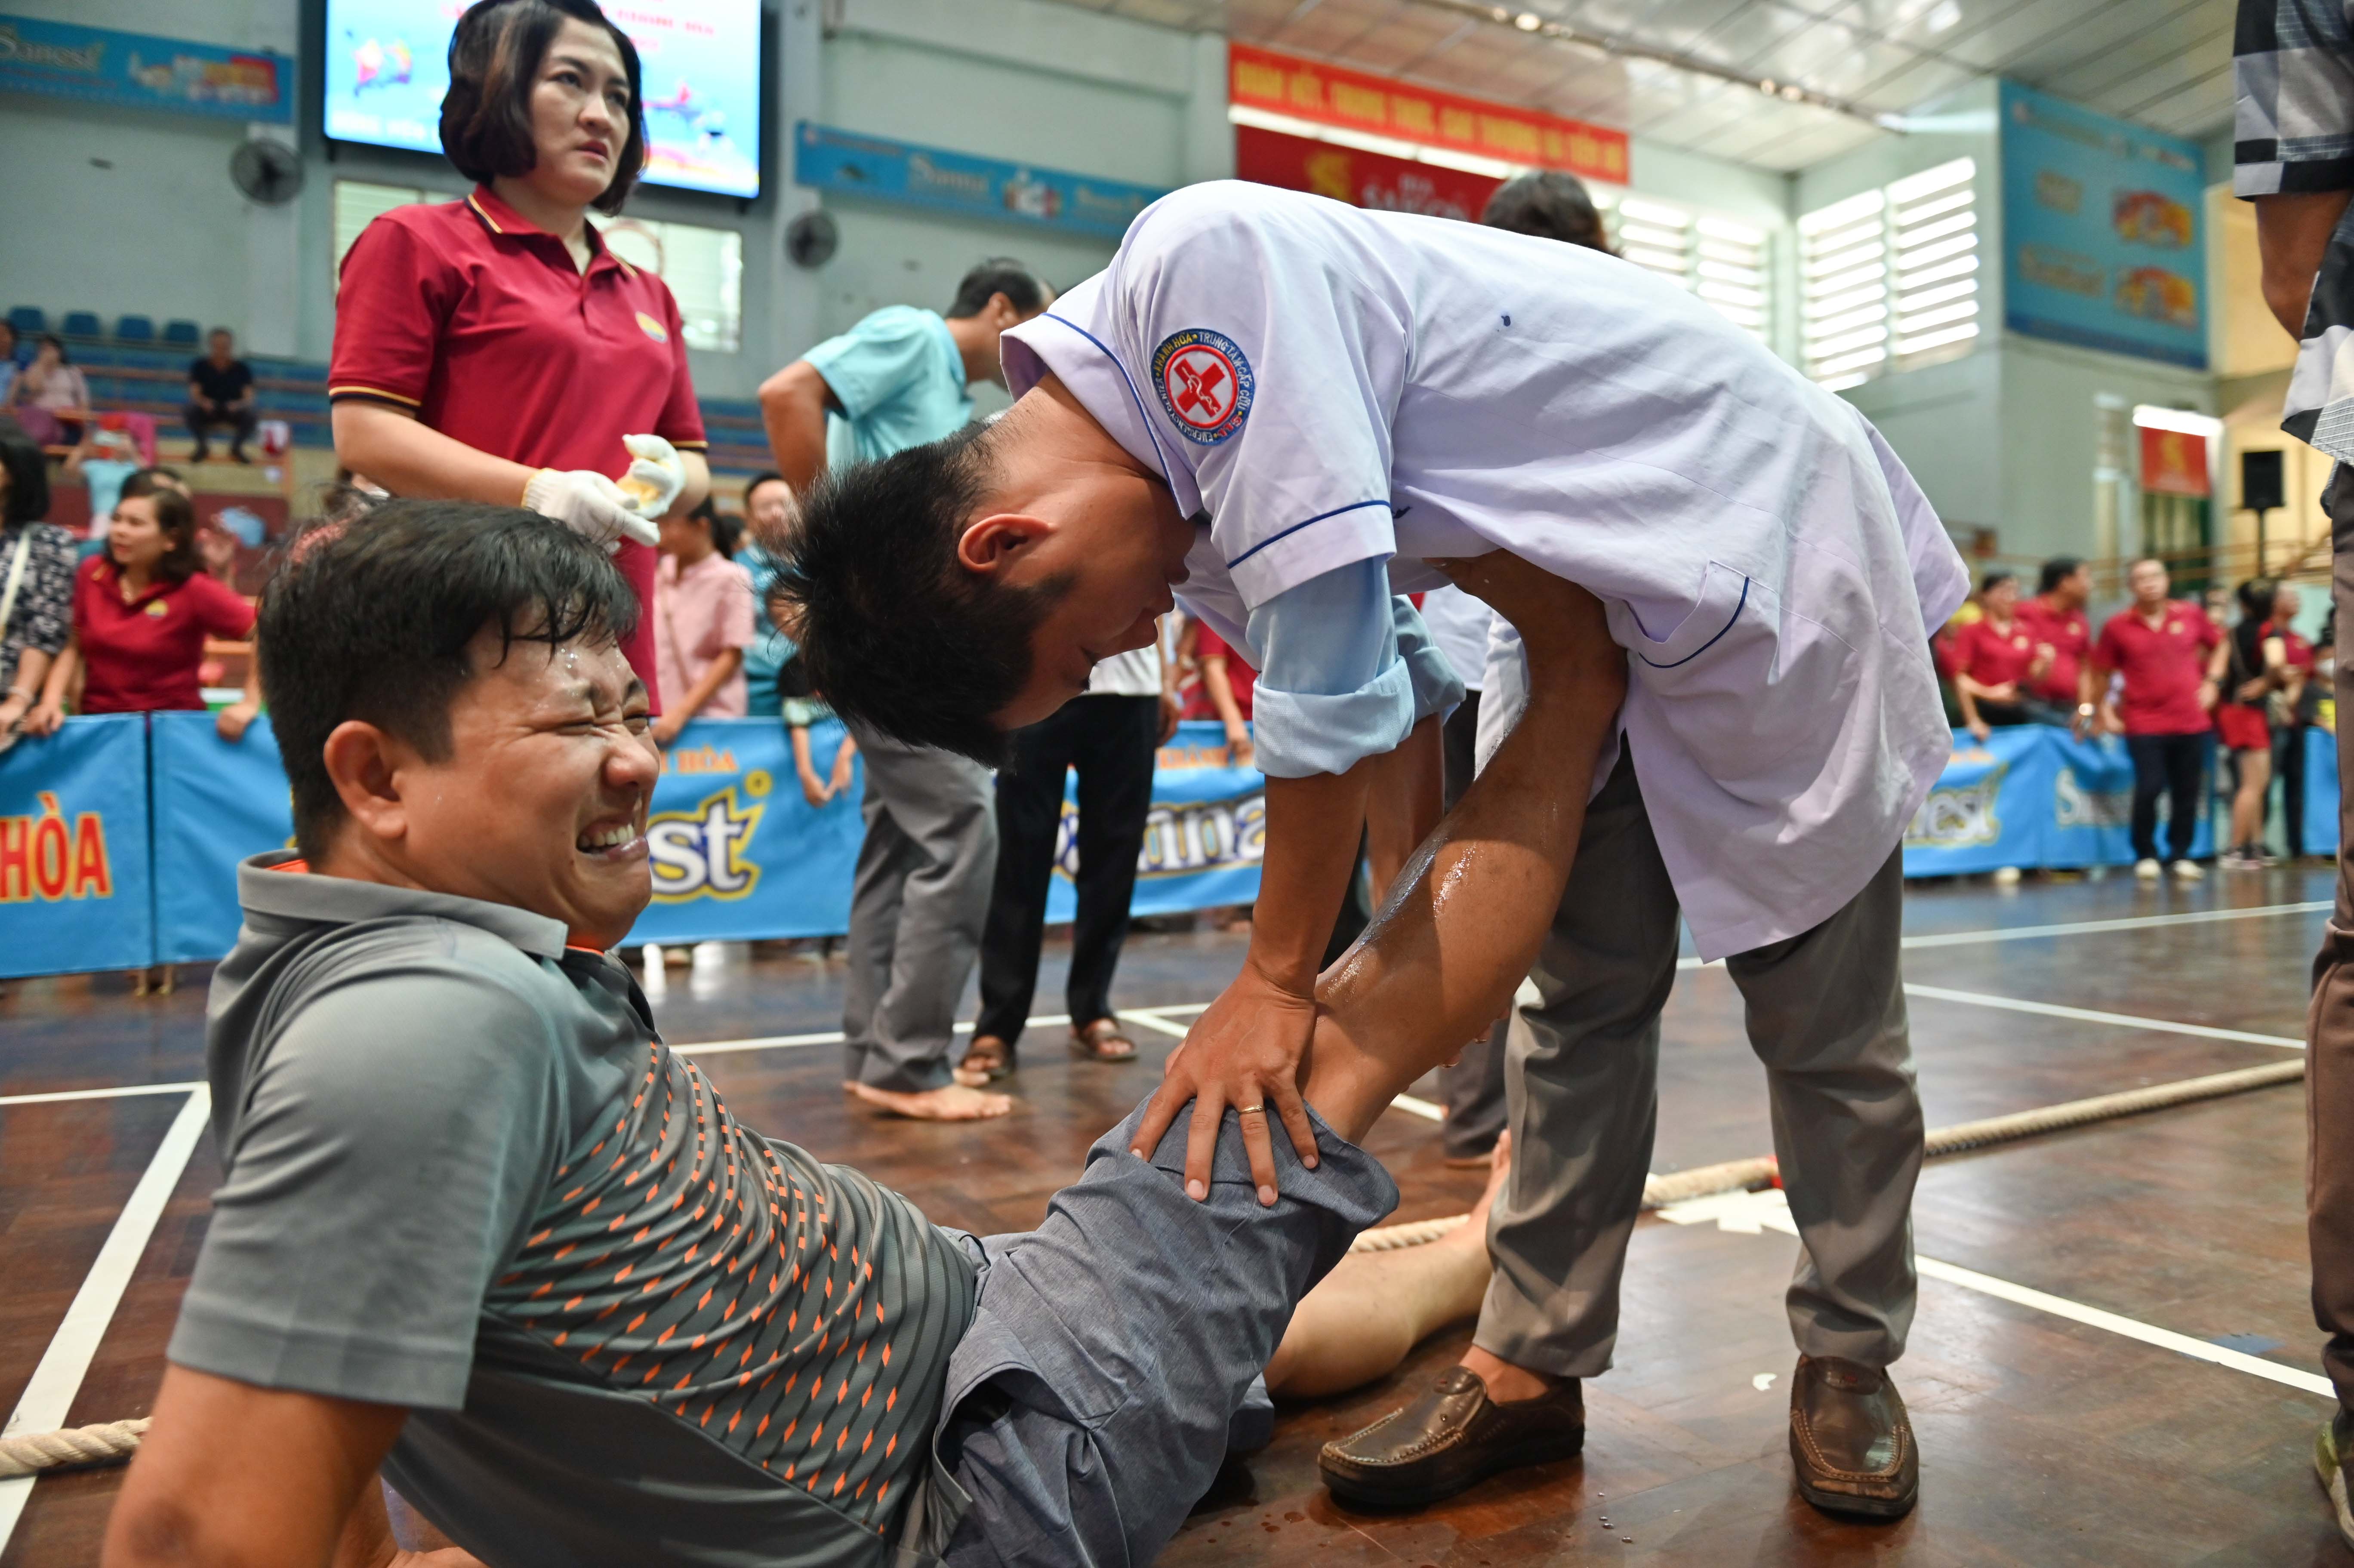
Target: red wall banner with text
[1359, 178]
[1305, 89]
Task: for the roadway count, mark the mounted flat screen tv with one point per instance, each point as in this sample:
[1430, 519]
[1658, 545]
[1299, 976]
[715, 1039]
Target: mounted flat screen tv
[388, 66]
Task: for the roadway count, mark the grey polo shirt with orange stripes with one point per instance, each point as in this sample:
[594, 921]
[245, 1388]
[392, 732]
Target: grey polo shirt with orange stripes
[465, 1176]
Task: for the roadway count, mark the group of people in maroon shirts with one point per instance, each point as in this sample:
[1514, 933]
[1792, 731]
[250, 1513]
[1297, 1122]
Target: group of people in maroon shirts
[2163, 674]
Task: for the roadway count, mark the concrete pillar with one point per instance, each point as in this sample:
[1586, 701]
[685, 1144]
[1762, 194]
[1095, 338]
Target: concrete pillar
[794, 302]
[1209, 139]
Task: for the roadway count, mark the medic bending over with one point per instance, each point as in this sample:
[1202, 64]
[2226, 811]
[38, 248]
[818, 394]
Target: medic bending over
[1287, 409]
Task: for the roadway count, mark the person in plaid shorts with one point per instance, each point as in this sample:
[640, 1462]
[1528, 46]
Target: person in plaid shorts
[2293, 157]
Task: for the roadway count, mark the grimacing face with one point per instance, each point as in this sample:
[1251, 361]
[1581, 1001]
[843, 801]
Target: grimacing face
[541, 802]
[1121, 544]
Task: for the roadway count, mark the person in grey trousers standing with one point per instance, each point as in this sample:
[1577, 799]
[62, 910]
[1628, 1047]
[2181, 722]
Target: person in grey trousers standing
[896, 379]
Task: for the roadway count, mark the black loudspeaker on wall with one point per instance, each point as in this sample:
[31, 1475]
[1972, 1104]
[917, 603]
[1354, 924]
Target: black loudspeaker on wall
[2260, 481]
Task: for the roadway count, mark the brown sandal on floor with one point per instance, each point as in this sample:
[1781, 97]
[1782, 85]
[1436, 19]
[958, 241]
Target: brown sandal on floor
[986, 1060]
[1102, 1042]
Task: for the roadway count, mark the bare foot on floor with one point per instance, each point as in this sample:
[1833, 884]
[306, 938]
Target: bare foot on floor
[952, 1102]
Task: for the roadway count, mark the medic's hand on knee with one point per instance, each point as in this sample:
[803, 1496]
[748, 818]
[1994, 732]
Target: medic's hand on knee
[1243, 1054]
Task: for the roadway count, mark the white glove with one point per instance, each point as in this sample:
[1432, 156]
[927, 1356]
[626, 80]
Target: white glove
[590, 505]
[656, 476]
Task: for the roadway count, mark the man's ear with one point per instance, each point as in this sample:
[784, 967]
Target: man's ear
[364, 761]
[993, 544]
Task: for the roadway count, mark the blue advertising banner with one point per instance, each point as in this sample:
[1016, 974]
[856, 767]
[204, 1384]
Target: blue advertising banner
[216, 803]
[141, 70]
[2033, 796]
[855, 165]
[1203, 838]
[75, 893]
[2320, 791]
[2102, 231]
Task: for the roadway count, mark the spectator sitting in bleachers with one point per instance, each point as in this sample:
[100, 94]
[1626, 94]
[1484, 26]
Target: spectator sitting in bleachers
[49, 395]
[36, 574]
[221, 393]
[703, 620]
[7, 362]
[141, 614]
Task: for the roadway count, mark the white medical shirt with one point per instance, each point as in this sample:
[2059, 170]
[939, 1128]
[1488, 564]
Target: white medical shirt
[1329, 384]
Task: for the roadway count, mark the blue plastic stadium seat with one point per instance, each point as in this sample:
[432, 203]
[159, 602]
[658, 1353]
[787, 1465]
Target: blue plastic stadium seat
[83, 327]
[183, 334]
[136, 331]
[29, 320]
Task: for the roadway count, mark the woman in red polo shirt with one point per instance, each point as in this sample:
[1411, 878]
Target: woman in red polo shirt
[1995, 659]
[493, 349]
[141, 614]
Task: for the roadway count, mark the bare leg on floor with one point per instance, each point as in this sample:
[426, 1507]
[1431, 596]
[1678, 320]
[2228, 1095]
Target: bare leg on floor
[1368, 1314]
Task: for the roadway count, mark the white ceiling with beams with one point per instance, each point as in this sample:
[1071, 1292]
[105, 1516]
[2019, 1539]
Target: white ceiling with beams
[2165, 63]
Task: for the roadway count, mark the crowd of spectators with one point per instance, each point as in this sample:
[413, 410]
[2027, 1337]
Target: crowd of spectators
[2177, 683]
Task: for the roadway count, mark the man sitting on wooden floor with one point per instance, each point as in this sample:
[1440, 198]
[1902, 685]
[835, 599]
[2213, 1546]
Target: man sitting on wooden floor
[483, 1231]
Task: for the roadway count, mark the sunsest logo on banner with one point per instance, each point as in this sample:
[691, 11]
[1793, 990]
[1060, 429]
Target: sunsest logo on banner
[1956, 816]
[707, 852]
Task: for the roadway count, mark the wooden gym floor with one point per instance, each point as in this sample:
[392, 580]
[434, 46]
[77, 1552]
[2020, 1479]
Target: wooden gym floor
[2114, 1361]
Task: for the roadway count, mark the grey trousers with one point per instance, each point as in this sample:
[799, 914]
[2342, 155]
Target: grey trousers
[916, 911]
[1091, 1402]
[1826, 1013]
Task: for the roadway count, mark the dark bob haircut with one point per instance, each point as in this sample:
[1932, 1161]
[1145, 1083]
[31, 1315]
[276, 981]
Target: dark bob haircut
[27, 500]
[894, 632]
[2057, 570]
[1549, 205]
[494, 57]
[997, 275]
[177, 518]
[369, 618]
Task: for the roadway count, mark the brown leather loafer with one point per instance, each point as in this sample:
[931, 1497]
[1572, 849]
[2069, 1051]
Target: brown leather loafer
[1850, 1441]
[1452, 1438]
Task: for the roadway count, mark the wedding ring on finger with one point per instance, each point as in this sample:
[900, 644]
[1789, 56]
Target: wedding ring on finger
[1246, 1110]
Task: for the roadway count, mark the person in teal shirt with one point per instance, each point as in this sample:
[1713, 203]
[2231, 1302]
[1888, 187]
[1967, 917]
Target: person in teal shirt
[899, 378]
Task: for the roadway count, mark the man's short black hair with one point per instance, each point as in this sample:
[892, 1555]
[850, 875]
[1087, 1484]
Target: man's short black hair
[27, 467]
[2057, 570]
[494, 57]
[370, 620]
[999, 275]
[894, 632]
[1549, 205]
[1996, 578]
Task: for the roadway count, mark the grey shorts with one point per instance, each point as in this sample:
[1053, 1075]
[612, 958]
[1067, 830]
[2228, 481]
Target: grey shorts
[1089, 1405]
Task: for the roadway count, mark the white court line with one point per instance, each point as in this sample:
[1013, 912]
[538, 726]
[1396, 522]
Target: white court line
[124, 1092]
[58, 1379]
[1752, 1213]
[2086, 1015]
[2116, 1323]
[2078, 928]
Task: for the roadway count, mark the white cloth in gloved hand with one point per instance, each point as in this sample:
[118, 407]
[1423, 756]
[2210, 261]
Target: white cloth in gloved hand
[590, 504]
[656, 476]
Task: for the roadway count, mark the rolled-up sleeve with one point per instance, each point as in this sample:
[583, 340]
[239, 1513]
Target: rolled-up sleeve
[1333, 688]
[1437, 689]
